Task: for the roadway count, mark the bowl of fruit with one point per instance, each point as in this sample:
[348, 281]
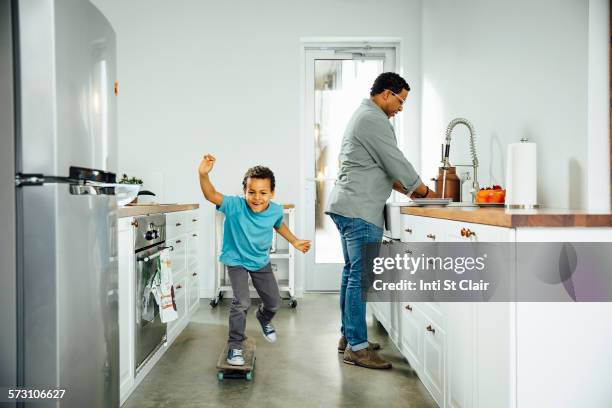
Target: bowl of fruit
[494, 196]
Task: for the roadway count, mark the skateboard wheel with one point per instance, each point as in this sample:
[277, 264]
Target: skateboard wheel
[220, 376]
[249, 375]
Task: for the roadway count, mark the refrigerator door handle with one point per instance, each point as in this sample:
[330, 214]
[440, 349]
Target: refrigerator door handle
[82, 181]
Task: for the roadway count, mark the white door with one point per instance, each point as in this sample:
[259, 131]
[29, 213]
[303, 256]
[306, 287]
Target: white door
[337, 80]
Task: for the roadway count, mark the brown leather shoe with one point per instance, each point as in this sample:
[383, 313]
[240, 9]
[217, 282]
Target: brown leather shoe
[342, 345]
[365, 358]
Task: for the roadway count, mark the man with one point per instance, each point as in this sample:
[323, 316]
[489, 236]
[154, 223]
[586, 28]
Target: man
[371, 165]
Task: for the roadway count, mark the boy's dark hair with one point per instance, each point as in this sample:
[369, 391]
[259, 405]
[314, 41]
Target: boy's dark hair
[391, 81]
[259, 172]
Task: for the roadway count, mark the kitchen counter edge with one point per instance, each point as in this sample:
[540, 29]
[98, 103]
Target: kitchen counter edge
[514, 218]
[135, 210]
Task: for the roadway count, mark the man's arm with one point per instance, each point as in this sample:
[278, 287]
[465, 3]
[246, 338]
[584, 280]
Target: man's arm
[420, 191]
[212, 195]
[378, 140]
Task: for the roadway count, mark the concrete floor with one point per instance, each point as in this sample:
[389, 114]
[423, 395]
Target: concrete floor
[302, 369]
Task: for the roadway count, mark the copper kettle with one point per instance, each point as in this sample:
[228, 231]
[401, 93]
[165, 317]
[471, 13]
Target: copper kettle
[453, 183]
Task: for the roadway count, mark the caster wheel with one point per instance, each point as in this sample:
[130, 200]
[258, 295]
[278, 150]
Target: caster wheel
[293, 303]
[220, 296]
[220, 376]
[213, 303]
[249, 376]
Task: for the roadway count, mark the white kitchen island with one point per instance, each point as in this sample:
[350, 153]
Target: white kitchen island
[505, 354]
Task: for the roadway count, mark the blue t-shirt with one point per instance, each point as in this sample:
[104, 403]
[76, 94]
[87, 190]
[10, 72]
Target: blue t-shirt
[247, 235]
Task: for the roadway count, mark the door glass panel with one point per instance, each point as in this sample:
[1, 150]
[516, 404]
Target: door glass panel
[340, 86]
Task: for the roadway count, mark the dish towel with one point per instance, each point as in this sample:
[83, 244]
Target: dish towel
[165, 290]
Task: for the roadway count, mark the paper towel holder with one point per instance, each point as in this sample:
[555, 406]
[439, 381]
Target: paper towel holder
[522, 206]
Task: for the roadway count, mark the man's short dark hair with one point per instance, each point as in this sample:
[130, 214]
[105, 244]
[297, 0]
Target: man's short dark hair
[259, 172]
[391, 81]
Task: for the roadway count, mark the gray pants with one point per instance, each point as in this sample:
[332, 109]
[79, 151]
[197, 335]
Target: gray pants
[264, 282]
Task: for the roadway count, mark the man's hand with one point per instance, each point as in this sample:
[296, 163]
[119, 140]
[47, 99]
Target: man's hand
[206, 165]
[423, 191]
[301, 245]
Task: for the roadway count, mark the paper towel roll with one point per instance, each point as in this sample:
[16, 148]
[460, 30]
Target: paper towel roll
[521, 175]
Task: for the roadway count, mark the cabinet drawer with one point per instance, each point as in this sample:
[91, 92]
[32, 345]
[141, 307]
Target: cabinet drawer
[175, 224]
[180, 298]
[458, 231]
[409, 228]
[177, 255]
[191, 221]
[433, 359]
[193, 289]
[410, 335]
[181, 222]
[192, 248]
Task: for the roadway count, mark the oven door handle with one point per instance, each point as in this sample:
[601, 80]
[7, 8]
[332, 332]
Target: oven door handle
[155, 255]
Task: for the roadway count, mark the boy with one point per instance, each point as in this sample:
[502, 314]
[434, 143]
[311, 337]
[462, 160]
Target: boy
[246, 244]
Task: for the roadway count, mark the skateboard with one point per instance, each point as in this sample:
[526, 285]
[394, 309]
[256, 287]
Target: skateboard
[231, 371]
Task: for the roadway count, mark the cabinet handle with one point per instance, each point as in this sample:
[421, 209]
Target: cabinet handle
[466, 232]
[178, 224]
[408, 307]
[194, 220]
[135, 223]
[178, 241]
[195, 235]
[431, 329]
[432, 236]
[408, 230]
[194, 274]
[178, 286]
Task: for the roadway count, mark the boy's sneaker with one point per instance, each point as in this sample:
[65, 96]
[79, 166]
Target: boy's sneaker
[235, 357]
[268, 331]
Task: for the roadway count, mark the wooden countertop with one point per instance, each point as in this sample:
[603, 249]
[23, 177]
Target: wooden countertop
[134, 210]
[514, 218]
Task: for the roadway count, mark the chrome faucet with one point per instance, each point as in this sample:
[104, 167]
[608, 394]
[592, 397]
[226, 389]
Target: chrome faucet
[446, 151]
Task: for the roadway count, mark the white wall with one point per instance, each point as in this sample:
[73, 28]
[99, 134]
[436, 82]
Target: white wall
[223, 77]
[517, 69]
[598, 106]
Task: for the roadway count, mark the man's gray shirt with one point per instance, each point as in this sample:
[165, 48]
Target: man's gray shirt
[369, 163]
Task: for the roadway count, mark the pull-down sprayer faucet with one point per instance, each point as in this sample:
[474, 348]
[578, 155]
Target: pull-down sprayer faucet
[446, 152]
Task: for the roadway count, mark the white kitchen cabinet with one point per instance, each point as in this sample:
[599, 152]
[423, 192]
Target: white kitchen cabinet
[180, 299]
[178, 252]
[193, 289]
[181, 235]
[410, 335]
[192, 249]
[504, 354]
[433, 374]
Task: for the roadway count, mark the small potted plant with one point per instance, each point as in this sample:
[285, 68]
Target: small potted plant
[128, 194]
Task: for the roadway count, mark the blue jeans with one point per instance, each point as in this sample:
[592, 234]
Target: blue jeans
[354, 233]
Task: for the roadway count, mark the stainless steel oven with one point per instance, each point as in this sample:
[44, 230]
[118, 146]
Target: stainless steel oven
[149, 242]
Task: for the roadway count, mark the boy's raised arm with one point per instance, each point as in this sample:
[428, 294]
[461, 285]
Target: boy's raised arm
[206, 166]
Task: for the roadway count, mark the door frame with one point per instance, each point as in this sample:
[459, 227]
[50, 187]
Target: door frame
[305, 144]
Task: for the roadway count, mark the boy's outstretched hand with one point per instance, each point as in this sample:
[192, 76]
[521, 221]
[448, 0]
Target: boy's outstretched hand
[207, 164]
[302, 245]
